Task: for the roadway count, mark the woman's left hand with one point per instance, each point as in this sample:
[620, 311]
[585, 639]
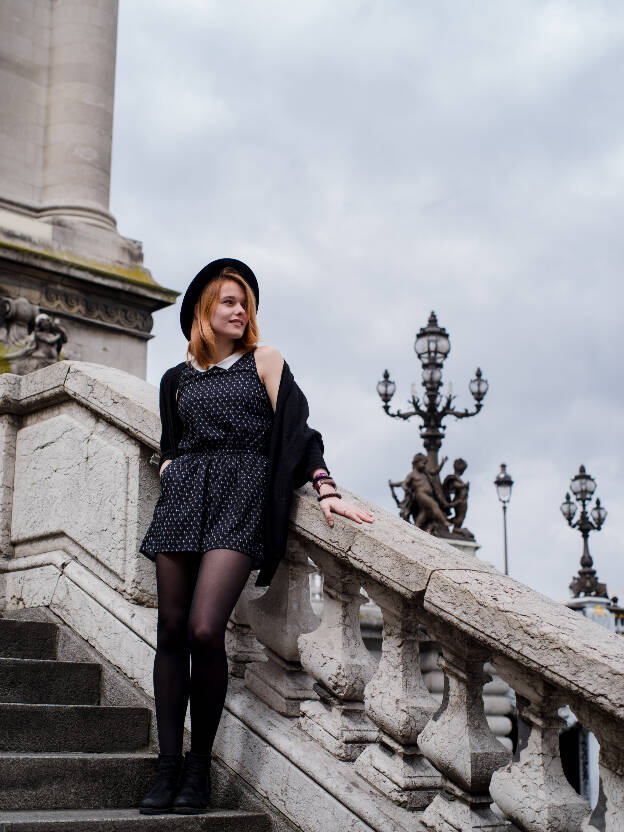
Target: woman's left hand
[339, 506]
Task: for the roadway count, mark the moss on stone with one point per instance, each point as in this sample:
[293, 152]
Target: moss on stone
[133, 274]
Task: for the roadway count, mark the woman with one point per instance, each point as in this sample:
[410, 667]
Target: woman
[235, 443]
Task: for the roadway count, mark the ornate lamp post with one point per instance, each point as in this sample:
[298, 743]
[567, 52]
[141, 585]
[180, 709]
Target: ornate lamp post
[583, 487]
[432, 503]
[504, 484]
[432, 347]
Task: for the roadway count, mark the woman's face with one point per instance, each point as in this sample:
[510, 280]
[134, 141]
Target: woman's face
[229, 316]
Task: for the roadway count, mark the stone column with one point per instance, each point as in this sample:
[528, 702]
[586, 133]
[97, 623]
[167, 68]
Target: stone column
[78, 138]
[459, 742]
[278, 618]
[335, 656]
[398, 702]
[533, 792]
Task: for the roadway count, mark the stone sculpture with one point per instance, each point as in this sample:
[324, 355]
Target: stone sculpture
[431, 505]
[30, 339]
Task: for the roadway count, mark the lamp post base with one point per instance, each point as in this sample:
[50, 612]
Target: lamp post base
[467, 547]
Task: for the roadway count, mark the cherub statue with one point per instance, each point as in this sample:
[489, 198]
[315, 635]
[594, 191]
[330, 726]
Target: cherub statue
[456, 493]
[43, 345]
[420, 501]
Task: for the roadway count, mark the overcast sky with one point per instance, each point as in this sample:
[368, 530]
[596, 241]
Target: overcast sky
[372, 161]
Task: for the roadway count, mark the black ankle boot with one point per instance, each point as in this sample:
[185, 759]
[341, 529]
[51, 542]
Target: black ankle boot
[193, 797]
[159, 799]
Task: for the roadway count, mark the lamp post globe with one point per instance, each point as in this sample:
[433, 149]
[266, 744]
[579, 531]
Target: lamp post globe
[583, 485]
[568, 508]
[504, 484]
[385, 389]
[598, 514]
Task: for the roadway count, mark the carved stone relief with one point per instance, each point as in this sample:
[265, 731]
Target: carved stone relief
[98, 309]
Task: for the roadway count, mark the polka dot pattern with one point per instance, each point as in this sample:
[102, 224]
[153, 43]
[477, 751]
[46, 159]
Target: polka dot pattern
[213, 494]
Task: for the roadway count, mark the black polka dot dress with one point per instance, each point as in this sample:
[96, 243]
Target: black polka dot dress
[213, 494]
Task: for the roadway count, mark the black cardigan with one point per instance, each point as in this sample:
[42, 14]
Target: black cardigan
[296, 450]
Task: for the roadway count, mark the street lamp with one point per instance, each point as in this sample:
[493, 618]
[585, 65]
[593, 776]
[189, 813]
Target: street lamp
[583, 487]
[432, 347]
[504, 484]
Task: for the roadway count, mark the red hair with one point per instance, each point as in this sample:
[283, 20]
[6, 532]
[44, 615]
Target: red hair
[202, 344]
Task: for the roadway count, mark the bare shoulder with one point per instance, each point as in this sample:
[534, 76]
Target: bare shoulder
[269, 361]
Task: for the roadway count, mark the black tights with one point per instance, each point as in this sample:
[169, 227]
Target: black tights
[196, 596]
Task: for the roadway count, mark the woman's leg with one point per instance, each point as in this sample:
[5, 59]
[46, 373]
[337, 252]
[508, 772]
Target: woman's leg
[221, 578]
[176, 574]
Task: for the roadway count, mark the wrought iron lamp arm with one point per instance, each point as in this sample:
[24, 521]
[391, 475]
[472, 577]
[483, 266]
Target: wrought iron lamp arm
[461, 414]
[399, 414]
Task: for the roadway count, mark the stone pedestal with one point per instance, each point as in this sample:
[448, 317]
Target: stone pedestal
[466, 547]
[59, 247]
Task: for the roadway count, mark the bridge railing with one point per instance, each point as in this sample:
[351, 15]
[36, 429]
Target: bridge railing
[442, 759]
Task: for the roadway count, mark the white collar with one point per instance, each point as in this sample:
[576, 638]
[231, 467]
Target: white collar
[225, 364]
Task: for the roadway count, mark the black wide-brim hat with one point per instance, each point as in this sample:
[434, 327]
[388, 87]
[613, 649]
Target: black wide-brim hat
[208, 273]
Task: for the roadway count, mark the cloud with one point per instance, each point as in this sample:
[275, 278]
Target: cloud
[374, 161]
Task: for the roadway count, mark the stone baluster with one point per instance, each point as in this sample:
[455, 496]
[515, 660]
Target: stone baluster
[278, 618]
[608, 814]
[241, 644]
[335, 656]
[497, 703]
[458, 741]
[398, 702]
[533, 792]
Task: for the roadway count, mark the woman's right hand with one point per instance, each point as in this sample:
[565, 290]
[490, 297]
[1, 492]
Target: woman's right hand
[167, 462]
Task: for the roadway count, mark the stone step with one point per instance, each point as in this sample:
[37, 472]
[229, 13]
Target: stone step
[32, 781]
[45, 681]
[73, 728]
[27, 639]
[103, 820]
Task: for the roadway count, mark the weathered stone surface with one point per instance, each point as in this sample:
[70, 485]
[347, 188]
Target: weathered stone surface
[400, 772]
[396, 697]
[241, 645]
[467, 814]
[533, 792]
[82, 481]
[515, 621]
[278, 618]
[398, 702]
[307, 783]
[393, 552]
[71, 480]
[334, 654]
[8, 431]
[121, 398]
[457, 740]
[283, 612]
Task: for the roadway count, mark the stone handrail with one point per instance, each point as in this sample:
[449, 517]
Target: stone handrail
[439, 764]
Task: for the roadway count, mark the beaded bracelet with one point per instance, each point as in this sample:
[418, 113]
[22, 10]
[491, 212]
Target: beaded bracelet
[331, 494]
[316, 485]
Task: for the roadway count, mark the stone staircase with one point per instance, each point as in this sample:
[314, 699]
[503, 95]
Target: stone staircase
[68, 763]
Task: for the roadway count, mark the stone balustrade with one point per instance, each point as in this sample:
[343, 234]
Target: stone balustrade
[445, 759]
[366, 741]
